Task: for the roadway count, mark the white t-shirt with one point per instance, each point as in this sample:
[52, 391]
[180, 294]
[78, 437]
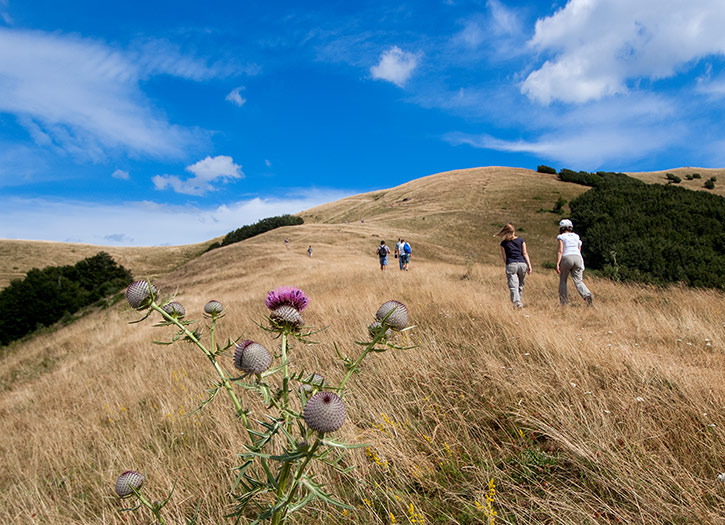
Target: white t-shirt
[399, 247]
[571, 243]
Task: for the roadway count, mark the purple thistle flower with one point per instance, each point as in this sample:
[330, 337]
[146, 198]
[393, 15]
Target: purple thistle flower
[398, 319]
[287, 296]
[213, 308]
[324, 412]
[175, 309]
[286, 316]
[251, 357]
[128, 482]
[139, 296]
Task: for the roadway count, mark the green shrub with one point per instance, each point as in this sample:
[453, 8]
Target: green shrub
[709, 184]
[673, 178]
[545, 169]
[696, 176]
[262, 226]
[559, 205]
[660, 233]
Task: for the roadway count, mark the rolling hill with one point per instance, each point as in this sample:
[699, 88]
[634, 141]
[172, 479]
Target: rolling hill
[610, 414]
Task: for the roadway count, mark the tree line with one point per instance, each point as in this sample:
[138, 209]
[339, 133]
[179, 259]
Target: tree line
[649, 233]
[46, 296]
[261, 226]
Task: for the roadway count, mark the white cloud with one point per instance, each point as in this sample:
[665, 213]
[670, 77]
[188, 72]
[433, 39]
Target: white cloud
[595, 47]
[590, 148]
[207, 171]
[142, 223]
[235, 97]
[82, 97]
[395, 66]
[120, 174]
[268, 163]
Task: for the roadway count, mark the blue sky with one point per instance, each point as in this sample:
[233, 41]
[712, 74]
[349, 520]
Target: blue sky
[154, 123]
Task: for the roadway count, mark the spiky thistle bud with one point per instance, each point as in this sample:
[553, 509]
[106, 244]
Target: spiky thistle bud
[375, 327]
[128, 482]
[138, 294]
[324, 412]
[398, 319]
[175, 309]
[286, 316]
[251, 357]
[287, 296]
[312, 381]
[213, 308]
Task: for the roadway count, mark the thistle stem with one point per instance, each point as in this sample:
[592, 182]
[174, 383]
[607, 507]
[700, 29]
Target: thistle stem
[146, 503]
[353, 367]
[285, 381]
[220, 372]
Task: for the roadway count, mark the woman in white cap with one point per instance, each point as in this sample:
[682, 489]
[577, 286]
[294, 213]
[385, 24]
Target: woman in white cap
[569, 261]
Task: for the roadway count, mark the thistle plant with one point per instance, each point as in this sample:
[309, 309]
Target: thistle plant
[275, 476]
[129, 484]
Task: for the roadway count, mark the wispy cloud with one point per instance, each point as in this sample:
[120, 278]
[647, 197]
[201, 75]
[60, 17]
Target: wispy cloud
[143, 223]
[597, 46]
[120, 174]
[592, 148]
[81, 97]
[207, 172]
[235, 97]
[161, 57]
[395, 66]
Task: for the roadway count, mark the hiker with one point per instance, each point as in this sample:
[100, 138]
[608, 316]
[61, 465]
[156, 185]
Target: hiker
[405, 254]
[383, 252]
[399, 252]
[517, 262]
[286, 243]
[569, 261]
[309, 251]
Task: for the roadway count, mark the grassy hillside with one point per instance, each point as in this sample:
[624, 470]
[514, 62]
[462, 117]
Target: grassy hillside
[453, 215]
[17, 257]
[611, 414]
[660, 177]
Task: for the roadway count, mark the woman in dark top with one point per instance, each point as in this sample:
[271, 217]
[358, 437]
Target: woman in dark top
[516, 259]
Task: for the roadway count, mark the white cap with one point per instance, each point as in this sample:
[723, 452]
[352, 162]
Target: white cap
[565, 223]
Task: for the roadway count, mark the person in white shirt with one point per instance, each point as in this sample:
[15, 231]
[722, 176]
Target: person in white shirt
[569, 262]
[399, 252]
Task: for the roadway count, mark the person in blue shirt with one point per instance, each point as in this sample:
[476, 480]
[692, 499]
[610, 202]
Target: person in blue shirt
[517, 262]
[405, 254]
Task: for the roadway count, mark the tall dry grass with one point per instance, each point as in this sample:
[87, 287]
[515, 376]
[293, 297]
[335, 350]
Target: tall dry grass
[610, 414]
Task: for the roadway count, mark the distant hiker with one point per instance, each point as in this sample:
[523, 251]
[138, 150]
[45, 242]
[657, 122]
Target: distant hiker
[517, 262]
[383, 252]
[405, 254]
[286, 243]
[309, 251]
[569, 261]
[399, 252]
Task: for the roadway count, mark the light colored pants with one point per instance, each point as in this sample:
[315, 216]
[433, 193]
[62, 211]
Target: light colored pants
[516, 275]
[574, 265]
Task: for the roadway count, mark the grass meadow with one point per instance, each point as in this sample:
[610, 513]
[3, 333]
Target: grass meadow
[610, 414]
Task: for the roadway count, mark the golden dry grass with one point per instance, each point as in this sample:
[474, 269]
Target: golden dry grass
[660, 177]
[611, 414]
[18, 256]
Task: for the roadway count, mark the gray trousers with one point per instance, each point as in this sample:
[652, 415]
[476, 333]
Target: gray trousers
[516, 275]
[574, 265]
